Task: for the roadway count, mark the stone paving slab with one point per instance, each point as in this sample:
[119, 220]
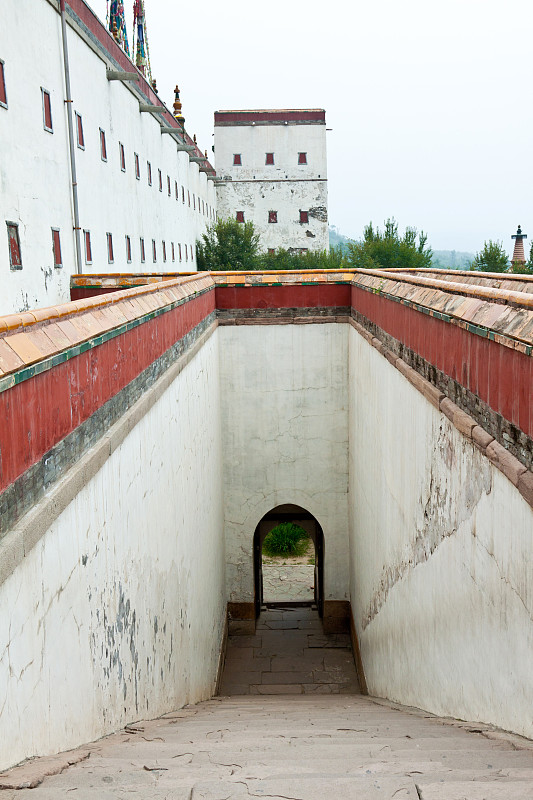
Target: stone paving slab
[286, 657]
[286, 746]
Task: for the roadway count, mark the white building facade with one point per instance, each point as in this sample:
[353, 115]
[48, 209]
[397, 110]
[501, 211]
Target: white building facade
[272, 169]
[145, 197]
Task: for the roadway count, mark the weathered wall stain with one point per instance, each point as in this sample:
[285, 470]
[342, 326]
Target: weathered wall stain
[446, 501]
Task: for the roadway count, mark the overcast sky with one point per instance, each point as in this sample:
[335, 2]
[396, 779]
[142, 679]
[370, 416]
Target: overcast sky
[429, 101]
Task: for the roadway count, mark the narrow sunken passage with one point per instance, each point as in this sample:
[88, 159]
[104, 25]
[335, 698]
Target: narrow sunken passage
[289, 654]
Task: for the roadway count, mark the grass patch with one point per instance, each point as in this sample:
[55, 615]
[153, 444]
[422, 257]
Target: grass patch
[286, 539]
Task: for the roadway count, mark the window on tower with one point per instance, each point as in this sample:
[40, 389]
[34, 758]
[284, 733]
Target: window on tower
[237, 160]
[272, 216]
[103, 146]
[149, 172]
[269, 158]
[143, 251]
[110, 257]
[302, 158]
[47, 111]
[240, 216]
[128, 249]
[3, 93]
[56, 248]
[79, 129]
[88, 248]
[13, 240]
[304, 217]
[137, 167]
[122, 157]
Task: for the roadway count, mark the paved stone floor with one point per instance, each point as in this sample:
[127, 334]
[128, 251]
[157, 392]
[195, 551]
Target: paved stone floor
[289, 654]
[288, 748]
[283, 583]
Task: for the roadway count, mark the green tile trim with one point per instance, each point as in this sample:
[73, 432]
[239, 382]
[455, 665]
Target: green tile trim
[478, 330]
[25, 373]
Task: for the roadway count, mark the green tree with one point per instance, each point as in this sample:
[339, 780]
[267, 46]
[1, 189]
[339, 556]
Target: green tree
[228, 245]
[492, 258]
[313, 259]
[388, 250]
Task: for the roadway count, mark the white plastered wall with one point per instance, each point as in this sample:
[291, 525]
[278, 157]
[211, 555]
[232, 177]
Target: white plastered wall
[441, 547]
[35, 186]
[286, 186]
[285, 440]
[117, 613]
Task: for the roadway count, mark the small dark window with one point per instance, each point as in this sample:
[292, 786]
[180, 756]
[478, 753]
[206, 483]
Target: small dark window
[110, 257]
[240, 216]
[237, 160]
[183, 194]
[143, 252]
[164, 251]
[192, 253]
[3, 93]
[176, 191]
[15, 259]
[56, 248]
[88, 249]
[304, 217]
[271, 251]
[79, 128]
[137, 167]
[168, 185]
[186, 254]
[128, 249]
[149, 172]
[302, 158]
[179, 251]
[272, 216]
[269, 158]
[47, 111]
[154, 251]
[189, 196]
[173, 252]
[103, 145]
[122, 157]
[160, 180]
[193, 202]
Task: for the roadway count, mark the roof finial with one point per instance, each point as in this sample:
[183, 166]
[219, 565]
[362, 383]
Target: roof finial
[178, 116]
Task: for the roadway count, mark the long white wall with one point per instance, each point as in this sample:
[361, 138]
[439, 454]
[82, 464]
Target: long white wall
[441, 547]
[284, 395]
[117, 613]
[35, 188]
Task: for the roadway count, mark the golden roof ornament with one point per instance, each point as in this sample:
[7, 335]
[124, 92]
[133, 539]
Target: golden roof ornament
[178, 116]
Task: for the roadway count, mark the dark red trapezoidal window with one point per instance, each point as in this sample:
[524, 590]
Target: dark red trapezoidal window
[47, 111]
[240, 216]
[56, 248]
[237, 160]
[272, 216]
[15, 258]
[269, 158]
[302, 158]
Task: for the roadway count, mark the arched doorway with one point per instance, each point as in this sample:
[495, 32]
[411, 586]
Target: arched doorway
[299, 516]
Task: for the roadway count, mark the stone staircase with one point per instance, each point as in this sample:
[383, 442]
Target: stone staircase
[292, 747]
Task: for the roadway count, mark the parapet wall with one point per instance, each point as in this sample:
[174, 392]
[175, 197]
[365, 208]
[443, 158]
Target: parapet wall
[378, 402]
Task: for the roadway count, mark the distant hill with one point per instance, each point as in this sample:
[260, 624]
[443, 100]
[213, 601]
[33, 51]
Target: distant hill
[452, 259]
[442, 259]
[337, 239]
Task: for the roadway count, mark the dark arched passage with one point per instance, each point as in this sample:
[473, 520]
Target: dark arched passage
[299, 516]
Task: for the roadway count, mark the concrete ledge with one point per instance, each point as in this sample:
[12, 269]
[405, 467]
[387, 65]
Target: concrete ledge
[336, 617]
[33, 525]
[240, 611]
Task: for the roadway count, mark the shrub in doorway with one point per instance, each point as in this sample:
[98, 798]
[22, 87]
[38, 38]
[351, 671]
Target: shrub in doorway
[286, 539]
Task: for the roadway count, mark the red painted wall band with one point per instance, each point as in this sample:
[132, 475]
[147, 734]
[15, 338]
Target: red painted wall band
[41, 411]
[501, 377]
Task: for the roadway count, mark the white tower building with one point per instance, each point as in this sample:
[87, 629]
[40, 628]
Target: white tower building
[273, 169]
